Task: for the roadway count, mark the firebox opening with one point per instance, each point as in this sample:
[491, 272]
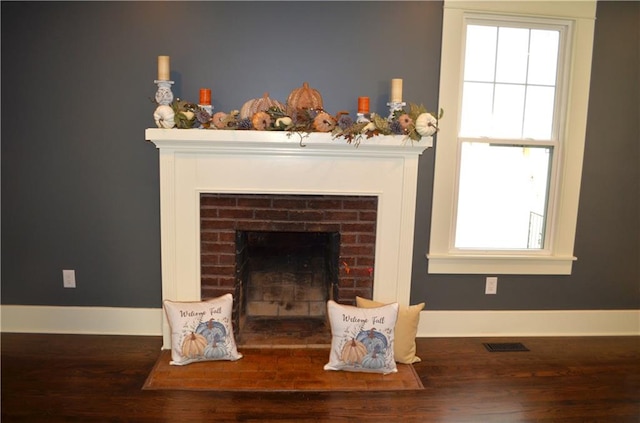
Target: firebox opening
[285, 281]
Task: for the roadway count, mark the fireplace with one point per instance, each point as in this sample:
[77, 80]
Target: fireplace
[197, 163]
[284, 256]
[283, 282]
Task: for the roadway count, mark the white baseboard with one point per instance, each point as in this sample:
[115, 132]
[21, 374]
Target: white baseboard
[529, 323]
[148, 321]
[81, 320]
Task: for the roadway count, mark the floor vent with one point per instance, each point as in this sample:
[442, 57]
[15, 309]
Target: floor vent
[505, 347]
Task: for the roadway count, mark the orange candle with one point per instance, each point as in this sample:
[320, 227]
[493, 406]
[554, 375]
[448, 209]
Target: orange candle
[363, 104]
[205, 96]
[163, 68]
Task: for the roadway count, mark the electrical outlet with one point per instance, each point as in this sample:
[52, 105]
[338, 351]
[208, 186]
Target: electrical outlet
[69, 278]
[492, 285]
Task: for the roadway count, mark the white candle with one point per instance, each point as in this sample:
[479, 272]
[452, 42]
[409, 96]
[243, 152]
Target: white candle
[396, 90]
[163, 68]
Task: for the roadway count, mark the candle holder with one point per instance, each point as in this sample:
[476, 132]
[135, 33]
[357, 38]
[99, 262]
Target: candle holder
[395, 106]
[362, 118]
[164, 95]
[207, 107]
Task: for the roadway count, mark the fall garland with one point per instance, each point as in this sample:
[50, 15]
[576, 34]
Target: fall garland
[414, 123]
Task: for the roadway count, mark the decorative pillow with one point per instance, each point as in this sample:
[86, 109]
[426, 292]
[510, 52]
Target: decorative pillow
[406, 329]
[362, 338]
[201, 330]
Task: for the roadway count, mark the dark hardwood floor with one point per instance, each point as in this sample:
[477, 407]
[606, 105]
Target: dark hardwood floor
[79, 378]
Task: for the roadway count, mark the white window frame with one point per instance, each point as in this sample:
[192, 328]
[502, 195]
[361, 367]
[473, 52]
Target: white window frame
[557, 257]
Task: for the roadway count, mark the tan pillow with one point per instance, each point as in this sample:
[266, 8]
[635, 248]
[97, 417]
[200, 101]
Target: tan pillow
[405, 330]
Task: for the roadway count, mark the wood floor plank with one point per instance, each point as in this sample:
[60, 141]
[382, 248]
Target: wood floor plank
[68, 378]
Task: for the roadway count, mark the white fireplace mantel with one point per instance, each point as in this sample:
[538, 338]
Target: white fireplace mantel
[196, 161]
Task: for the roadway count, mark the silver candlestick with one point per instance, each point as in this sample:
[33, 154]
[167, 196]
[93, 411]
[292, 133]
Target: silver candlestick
[164, 95]
[395, 106]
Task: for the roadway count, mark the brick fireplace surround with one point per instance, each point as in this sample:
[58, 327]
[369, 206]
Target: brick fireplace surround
[353, 217]
[223, 216]
[195, 162]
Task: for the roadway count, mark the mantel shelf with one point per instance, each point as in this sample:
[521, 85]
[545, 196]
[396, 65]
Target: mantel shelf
[282, 142]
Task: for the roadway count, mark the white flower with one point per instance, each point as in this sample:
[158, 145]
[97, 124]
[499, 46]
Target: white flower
[369, 127]
[283, 122]
[188, 114]
[426, 124]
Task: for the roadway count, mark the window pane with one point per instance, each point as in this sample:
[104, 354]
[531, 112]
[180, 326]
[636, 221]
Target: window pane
[543, 57]
[508, 111]
[502, 196]
[481, 53]
[519, 102]
[477, 105]
[513, 54]
[539, 113]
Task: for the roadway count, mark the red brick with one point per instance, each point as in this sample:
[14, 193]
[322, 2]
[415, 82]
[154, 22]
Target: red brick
[210, 225]
[362, 203]
[348, 238]
[326, 203]
[341, 215]
[237, 213]
[367, 216]
[366, 238]
[209, 258]
[322, 227]
[208, 213]
[346, 283]
[209, 236]
[358, 227]
[227, 282]
[364, 283]
[305, 215]
[227, 259]
[227, 236]
[271, 214]
[289, 203]
[357, 250]
[214, 200]
[365, 261]
[254, 202]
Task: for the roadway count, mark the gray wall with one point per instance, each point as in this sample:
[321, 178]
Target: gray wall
[80, 184]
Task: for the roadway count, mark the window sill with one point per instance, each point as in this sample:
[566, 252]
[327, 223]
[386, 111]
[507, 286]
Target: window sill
[499, 265]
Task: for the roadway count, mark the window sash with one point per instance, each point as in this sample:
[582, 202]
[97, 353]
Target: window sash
[520, 119]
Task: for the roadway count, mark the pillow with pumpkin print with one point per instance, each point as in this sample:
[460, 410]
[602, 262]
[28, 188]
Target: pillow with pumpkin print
[201, 330]
[362, 339]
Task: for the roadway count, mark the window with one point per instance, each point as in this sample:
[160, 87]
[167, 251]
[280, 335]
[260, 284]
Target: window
[510, 89]
[514, 86]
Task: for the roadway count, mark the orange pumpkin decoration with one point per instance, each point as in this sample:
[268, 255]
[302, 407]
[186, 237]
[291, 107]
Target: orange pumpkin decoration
[193, 345]
[256, 105]
[324, 122]
[353, 352]
[302, 98]
[219, 120]
[261, 121]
